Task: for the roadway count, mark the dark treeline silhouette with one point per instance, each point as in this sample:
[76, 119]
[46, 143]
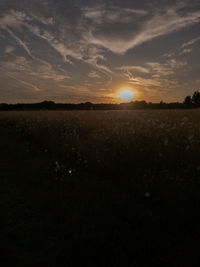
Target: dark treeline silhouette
[189, 102]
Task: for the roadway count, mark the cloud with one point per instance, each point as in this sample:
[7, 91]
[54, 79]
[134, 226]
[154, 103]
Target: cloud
[121, 39]
[46, 72]
[134, 68]
[185, 48]
[151, 83]
[102, 27]
[35, 88]
[114, 28]
[168, 55]
[74, 49]
[19, 64]
[13, 18]
[147, 82]
[40, 70]
[157, 75]
[9, 49]
[109, 14]
[93, 74]
[19, 41]
[155, 72]
[27, 84]
[43, 20]
[190, 42]
[86, 39]
[176, 64]
[164, 69]
[2, 36]
[80, 50]
[186, 51]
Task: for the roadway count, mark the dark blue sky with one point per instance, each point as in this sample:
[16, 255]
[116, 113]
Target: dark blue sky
[76, 51]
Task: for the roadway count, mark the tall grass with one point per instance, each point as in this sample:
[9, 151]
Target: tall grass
[123, 186]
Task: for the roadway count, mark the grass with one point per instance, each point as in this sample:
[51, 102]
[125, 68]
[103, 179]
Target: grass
[101, 188]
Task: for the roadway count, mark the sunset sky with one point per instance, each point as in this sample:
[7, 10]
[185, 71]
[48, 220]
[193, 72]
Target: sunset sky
[88, 50]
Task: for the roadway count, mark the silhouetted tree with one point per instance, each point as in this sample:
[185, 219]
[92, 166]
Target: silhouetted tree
[188, 100]
[196, 98]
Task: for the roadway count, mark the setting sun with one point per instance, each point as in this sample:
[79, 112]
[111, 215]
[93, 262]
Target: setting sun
[126, 95]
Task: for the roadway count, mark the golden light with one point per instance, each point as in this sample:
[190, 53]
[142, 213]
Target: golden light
[126, 95]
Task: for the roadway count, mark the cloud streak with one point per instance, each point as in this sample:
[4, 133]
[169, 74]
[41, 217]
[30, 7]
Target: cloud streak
[156, 26]
[190, 42]
[19, 41]
[27, 84]
[133, 68]
[22, 66]
[112, 14]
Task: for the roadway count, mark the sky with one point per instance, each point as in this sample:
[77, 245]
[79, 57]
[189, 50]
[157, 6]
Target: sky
[89, 50]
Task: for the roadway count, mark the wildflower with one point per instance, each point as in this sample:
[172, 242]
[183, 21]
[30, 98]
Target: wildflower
[57, 168]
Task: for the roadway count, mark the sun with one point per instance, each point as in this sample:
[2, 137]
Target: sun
[126, 95]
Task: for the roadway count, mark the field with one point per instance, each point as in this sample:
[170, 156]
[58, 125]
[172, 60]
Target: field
[100, 188]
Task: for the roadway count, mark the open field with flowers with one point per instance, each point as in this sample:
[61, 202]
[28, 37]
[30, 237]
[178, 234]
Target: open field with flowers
[112, 188]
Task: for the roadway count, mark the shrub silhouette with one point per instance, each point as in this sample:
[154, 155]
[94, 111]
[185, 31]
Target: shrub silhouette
[196, 98]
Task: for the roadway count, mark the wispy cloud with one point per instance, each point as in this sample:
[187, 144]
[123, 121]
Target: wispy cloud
[155, 72]
[190, 42]
[186, 51]
[134, 68]
[27, 84]
[41, 70]
[9, 49]
[36, 88]
[166, 68]
[19, 41]
[47, 72]
[158, 75]
[137, 80]
[71, 46]
[159, 24]
[12, 18]
[93, 74]
[168, 55]
[108, 14]
[81, 51]
[137, 26]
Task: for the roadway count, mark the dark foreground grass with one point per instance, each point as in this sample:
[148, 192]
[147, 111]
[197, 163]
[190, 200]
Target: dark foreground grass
[100, 188]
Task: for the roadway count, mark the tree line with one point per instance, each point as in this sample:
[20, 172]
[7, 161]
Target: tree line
[193, 100]
[189, 102]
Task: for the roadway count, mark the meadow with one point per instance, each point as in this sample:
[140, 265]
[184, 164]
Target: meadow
[106, 188]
